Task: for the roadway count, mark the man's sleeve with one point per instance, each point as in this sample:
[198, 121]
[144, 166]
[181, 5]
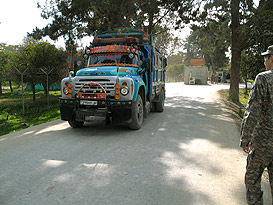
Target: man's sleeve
[253, 111]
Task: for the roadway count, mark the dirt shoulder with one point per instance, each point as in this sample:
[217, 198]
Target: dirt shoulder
[235, 110]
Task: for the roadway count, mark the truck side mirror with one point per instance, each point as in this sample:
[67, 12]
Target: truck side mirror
[71, 74]
[131, 55]
[85, 56]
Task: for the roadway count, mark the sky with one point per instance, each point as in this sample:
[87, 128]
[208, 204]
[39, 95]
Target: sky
[17, 17]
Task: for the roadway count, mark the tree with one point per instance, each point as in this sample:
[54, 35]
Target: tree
[257, 34]
[219, 11]
[210, 38]
[75, 19]
[11, 51]
[165, 42]
[6, 54]
[68, 16]
[240, 10]
[22, 63]
[175, 71]
[169, 13]
[193, 47]
[36, 57]
[45, 57]
[211, 35]
[179, 58]
[3, 64]
[247, 67]
[235, 51]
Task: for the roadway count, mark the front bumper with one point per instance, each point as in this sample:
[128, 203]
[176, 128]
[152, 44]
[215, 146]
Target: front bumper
[73, 109]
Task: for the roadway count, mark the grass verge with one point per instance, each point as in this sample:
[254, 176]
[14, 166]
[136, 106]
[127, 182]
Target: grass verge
[237, 110]
[38, 112]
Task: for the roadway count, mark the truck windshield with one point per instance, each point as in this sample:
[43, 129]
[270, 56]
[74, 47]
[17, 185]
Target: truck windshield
[112, 59]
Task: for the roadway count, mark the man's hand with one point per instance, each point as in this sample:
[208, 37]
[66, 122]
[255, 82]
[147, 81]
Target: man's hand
[246, 149]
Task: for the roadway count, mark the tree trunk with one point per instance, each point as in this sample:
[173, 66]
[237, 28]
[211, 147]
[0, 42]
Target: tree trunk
[45, 89]
[151, 22]
[235, 52]
[10, 86]
[33, 92]
[213, 80]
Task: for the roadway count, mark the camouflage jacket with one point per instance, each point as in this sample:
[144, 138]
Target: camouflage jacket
[257, 124]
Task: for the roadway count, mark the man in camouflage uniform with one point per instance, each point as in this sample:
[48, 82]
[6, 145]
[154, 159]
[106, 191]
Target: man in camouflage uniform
[257, 132]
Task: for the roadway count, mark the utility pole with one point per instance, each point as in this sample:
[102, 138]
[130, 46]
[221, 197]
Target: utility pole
[47, 73]
[22, 81]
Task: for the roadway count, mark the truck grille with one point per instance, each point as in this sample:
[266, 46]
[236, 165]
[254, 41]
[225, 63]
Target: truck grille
[107, 84]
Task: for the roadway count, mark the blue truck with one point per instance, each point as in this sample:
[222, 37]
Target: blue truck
[124, 80]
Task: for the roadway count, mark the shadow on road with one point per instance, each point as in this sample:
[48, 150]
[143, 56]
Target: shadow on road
[186, 155]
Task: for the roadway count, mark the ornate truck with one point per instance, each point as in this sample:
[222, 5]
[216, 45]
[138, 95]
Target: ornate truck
[124, 80]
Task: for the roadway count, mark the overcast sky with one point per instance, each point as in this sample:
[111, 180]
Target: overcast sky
[18, 17]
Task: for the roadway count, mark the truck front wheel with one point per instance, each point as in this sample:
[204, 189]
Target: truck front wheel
[137, 114]
[75, 124]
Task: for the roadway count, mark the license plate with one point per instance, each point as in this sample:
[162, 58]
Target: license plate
[87, 102]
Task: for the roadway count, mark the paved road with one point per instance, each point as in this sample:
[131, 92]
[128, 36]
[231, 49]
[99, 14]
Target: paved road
[186, 155]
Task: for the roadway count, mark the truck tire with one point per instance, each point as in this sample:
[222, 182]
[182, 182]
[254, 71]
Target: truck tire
[153, 107]
[75, 124]
[160, 105]
[137, 113]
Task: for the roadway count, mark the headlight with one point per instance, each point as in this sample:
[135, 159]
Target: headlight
[124, 90]
[65, 90]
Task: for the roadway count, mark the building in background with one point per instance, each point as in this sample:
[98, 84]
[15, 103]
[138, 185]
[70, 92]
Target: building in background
[196, 73]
